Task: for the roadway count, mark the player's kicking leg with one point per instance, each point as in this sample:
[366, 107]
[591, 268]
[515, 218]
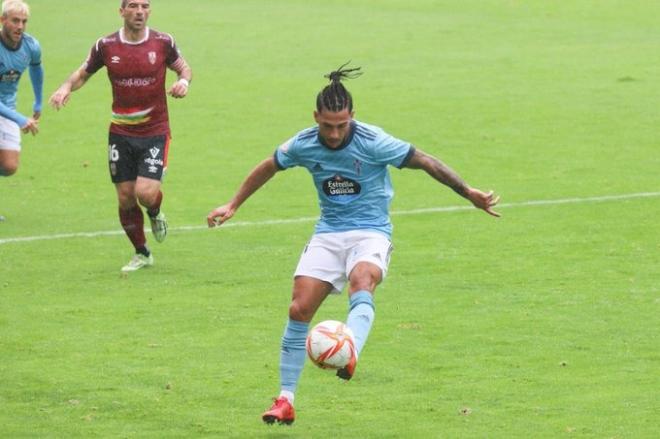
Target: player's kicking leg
[158, 226]
[366, 273]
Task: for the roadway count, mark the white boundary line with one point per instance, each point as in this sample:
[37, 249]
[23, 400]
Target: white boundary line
[311, 219]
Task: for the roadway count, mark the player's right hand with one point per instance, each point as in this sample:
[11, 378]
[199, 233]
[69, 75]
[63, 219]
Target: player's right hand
[484, 200]
[60, 98]
[219, 215]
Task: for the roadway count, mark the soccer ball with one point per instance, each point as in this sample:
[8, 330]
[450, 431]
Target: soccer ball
[330, 345]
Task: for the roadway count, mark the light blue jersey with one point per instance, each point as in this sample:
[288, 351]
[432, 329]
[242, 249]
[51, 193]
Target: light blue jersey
[352, 181]
[13, 63]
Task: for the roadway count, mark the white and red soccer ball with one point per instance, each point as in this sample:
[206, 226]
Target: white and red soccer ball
[330, 345]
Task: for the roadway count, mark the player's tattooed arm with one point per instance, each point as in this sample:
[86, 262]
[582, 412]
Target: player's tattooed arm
[438, 170]
[445, 175]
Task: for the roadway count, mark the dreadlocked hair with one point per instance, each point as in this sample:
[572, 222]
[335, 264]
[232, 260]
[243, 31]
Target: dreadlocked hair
[334, 96]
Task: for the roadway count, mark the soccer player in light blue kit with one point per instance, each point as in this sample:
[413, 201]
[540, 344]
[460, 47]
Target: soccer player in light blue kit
[18, 51]
[351, 243]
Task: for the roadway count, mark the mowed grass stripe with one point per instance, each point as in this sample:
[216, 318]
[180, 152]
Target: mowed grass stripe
[576, 200]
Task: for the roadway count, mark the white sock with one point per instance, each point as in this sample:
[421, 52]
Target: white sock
[288, 395]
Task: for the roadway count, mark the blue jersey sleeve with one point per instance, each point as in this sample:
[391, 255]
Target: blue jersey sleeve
[36, 73]
[389, 150]
[35, 52]
[285, 156]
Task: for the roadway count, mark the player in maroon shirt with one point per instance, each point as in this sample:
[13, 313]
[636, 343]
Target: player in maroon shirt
[136, 58]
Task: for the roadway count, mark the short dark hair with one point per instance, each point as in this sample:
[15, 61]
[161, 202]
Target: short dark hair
[125, 2]
[334, 96]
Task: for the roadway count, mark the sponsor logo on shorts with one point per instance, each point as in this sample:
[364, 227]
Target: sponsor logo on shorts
[153, 162]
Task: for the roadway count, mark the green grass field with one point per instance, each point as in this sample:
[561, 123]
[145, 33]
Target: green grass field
[543, 323]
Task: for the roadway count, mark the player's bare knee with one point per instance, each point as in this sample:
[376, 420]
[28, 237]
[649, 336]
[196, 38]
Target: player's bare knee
[299, 312]
[364, 284]
[147, 196]
[8, 168]
[126, 200]
[364, 279]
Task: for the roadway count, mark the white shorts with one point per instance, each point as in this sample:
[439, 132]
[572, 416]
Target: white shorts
[10, 134]
[331, 257]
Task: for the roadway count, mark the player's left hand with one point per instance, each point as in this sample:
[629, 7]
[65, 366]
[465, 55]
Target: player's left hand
[36, 115]
[179, 89]
[32, 126]
[484, 200]
[219, 215]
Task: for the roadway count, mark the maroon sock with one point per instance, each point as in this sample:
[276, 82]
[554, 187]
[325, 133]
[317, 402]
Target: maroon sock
[132, 220]
[154, 210]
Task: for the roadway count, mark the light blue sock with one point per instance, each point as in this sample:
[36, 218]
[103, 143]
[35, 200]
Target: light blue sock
[360, 317]
[292, 355]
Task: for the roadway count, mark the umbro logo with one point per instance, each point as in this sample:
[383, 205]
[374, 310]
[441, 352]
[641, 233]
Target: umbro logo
[317, 167]
[154, 152]
[115, 59]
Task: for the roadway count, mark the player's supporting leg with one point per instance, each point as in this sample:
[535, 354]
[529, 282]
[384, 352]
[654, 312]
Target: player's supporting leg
[292, 360]
[8, 165]
[132, 220]
[9, 160]
[292, 356]
[360, 318]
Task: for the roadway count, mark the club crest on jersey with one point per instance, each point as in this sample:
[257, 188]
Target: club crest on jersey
[358, 166]
[339, 186]
[152, 57]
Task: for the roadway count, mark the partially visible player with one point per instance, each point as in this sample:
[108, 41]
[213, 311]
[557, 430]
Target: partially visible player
[19, 51]
[348, 161]
[136, 58]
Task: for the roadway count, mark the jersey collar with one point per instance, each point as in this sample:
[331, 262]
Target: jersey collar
[346, 141]
[134, 43]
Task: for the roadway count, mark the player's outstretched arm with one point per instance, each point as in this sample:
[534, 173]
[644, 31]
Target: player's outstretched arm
[263, 172]
[62, 95]
[445, 175]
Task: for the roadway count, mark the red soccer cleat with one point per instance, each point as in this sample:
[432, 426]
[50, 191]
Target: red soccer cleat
[346, 372]
[281, 411]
